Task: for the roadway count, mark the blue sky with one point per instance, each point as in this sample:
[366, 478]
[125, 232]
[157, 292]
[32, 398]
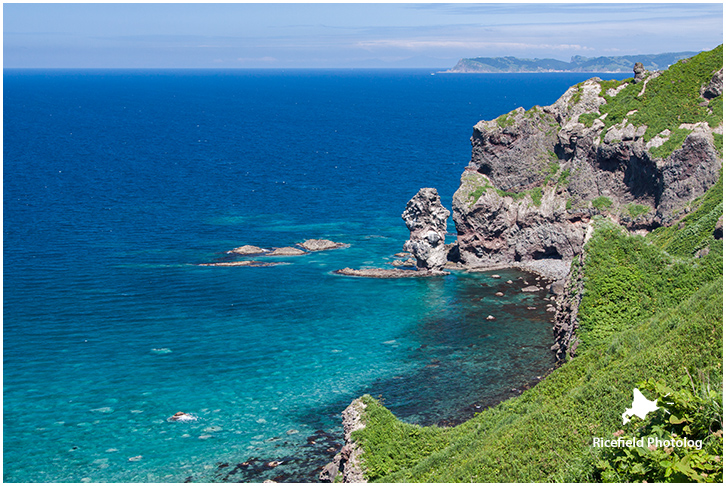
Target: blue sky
[270, 35]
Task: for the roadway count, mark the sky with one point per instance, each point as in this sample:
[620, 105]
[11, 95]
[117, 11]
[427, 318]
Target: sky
[343, 35]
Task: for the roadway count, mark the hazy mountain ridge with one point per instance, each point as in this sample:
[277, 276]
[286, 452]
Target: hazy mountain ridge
[510, 64]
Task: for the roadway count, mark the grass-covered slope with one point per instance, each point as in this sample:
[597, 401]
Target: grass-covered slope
[546, 434]
[630, 278]
[666, 103]
[646, 314]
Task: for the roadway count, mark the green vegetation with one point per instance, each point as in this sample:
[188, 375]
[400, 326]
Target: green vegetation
[678, 136]
[505, 121]
[718, 143]
[651, 312]
[577, 96]
[588, 119]
[668, 101]
[602, 203]
[693, 413]
[564, 178]
[635, 210]
[476, 193]
[698, 225]
[613, 84]
[536, 195]
[629, 279]
[401, 445]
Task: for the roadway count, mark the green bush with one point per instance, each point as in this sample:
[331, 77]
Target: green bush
[636, 210]
[536, 195]
[682, 441]
[602, 203]
[587, 119]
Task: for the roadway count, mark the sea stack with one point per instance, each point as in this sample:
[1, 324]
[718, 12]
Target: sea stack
[426, 217]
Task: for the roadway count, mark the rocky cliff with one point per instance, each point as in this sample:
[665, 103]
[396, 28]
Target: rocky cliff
[536, 177]
[637, 151]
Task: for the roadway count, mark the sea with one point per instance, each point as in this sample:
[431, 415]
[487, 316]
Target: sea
[118, 184]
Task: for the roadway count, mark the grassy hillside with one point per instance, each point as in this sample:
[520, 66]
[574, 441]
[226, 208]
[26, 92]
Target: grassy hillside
[671, 99]
[651, 317]
[546, 434]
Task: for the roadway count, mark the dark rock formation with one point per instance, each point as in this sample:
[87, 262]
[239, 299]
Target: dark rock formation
[426, 217]
[715, 87]
[567, 305]
[527, 193]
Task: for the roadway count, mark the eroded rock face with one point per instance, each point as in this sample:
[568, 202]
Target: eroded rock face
[537, 177]
[426, 217]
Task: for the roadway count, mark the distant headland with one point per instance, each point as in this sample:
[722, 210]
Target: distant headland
[577, 64]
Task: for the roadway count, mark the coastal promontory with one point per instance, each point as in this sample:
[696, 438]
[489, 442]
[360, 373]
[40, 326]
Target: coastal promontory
[617, 190]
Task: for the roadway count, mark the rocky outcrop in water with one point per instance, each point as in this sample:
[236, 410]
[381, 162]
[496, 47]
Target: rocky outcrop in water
[426, 217]
[388, 273]
[320, 245]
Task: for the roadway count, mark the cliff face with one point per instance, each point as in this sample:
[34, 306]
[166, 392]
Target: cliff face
[537, 177]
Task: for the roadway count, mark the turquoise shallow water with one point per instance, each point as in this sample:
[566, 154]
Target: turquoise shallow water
[117, 184]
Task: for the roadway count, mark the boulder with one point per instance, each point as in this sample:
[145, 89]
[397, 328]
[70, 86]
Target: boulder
[558, 287]
[639, 72]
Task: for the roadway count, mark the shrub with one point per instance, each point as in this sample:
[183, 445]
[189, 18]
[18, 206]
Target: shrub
[602, 203]
[635, 210]
[692, 415]
[536, 194]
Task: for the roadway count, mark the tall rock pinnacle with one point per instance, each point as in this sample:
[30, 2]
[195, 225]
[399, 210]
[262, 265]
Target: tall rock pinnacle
[426, 218]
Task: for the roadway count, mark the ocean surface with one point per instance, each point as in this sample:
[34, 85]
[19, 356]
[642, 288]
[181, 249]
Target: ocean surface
[117, 184]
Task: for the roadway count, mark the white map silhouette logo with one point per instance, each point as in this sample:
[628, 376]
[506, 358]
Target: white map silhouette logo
[641, 407]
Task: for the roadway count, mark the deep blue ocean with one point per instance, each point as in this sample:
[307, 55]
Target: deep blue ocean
[117, 184]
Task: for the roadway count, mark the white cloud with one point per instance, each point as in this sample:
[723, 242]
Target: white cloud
[447, 44]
